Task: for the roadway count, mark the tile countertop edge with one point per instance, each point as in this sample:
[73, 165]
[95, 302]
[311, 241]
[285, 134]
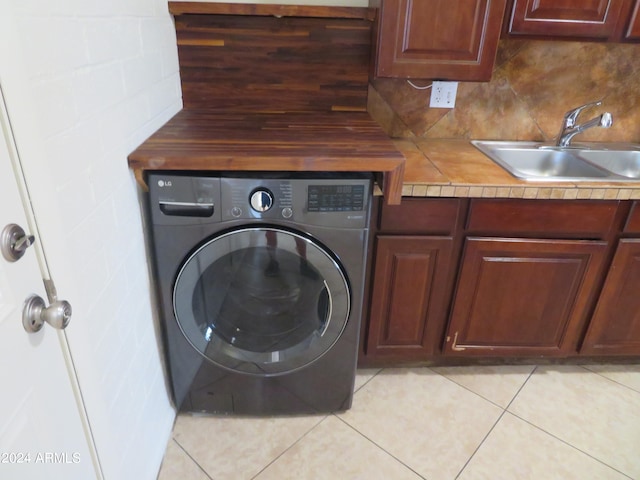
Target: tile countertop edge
[455, 168]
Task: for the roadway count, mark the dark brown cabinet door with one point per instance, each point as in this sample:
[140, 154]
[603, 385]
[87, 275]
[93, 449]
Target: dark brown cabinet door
[410, 297]
[615, 326]
[439, 38]
[632, 32]
[520, 297]
[594, 19]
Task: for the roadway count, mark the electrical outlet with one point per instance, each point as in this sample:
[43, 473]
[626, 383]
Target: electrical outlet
[443, 94]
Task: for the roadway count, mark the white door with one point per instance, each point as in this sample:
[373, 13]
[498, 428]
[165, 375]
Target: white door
[42, 434]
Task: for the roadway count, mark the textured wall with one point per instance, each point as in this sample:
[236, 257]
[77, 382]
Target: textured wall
[533, 84]
[91, 80]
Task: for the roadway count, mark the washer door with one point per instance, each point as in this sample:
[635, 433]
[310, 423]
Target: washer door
[261, 300]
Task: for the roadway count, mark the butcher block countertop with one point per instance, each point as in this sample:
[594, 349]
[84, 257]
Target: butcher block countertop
[455, 168]
[331, 141]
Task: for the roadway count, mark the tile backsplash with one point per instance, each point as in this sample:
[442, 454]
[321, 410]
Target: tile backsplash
[534, 82]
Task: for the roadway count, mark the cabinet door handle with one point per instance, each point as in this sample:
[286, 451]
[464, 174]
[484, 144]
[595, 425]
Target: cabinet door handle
[454, 345]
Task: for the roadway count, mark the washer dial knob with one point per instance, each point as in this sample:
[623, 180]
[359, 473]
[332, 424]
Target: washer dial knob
[261, 200]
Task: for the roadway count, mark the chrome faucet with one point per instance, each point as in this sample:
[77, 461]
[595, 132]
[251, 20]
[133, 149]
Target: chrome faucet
[570, 129]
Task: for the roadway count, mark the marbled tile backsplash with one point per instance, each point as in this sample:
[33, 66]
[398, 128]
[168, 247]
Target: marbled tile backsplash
[533, 84]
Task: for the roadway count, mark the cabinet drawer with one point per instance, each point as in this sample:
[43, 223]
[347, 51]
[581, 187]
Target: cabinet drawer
[434, 216]
[633, 221]
[542, 218]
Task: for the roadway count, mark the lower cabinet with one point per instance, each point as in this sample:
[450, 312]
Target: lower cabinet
[417, 249]
[503, 278]
[519, 297]
[615, 326]
[410, 297]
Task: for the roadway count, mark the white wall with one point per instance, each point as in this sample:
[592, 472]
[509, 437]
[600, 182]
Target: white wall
[91, 79]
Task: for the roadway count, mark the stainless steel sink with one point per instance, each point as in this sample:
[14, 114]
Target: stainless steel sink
[624, 163]
[535, 161]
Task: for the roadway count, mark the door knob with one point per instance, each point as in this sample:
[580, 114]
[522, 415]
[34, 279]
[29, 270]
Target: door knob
[35, 314]
[14, 242]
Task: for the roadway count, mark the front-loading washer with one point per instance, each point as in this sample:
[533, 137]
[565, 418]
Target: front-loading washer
[260, 279]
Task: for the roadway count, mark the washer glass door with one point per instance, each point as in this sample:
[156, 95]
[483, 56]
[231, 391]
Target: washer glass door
[261, 300]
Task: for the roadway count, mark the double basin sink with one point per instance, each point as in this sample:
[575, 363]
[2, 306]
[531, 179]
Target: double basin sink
[592, 162]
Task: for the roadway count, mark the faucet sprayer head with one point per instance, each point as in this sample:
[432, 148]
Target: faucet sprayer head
[570, 129]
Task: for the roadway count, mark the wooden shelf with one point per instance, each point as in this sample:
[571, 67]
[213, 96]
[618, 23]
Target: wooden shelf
[202, 8]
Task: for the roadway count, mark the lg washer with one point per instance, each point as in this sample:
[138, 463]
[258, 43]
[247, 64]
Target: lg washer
[260, 280]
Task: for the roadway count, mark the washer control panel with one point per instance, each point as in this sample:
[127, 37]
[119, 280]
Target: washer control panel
[339, 202]
[245, 198]
[182, 198]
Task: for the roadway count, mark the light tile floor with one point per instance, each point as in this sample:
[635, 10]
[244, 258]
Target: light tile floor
[467, 423]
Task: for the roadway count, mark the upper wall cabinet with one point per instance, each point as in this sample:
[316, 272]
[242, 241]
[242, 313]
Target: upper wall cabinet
[438, 39]
[604, 20]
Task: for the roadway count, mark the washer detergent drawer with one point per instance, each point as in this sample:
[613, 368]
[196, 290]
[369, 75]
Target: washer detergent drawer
[183, 200]
[186, 209]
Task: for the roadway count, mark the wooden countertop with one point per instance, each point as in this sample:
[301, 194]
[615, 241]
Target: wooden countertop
[332, 141]
[455, 168]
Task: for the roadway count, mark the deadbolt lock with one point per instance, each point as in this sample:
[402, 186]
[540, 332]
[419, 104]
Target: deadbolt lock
[14, 242]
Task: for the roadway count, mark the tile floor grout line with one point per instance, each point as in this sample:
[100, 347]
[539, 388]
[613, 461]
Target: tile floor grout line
[379, 446]
[554, 436]
[504, 411]
[481, 443]
[173, 439]
[535, 369]
[586, 367]
[482, 396]
[289, 447]
[284, 451]
[368, 380]
[570, 445]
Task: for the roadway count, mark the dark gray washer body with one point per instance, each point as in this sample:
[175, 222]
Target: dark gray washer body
[327, 216]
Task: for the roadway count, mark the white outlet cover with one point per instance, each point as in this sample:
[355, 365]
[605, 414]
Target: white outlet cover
[443, 94]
